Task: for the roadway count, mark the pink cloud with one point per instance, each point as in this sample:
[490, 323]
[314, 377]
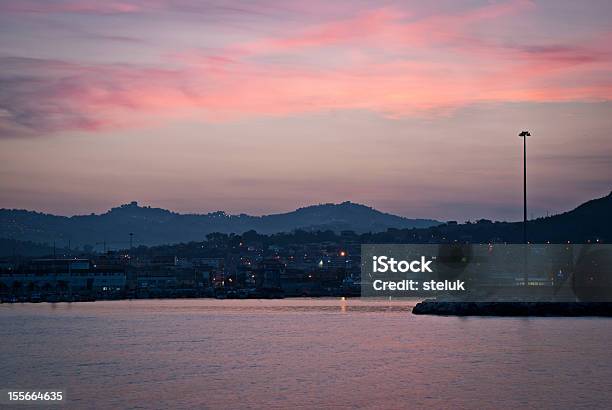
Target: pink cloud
[69, 6]
[430, 66]
[385, 27]
[44, 96]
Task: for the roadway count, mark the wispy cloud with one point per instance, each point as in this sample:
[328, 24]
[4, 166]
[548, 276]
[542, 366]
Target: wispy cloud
[385, 60]
[41, 96]
[69, 6]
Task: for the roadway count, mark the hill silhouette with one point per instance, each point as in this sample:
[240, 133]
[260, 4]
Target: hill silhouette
[27, 232]
[154, 226]
[590, 221]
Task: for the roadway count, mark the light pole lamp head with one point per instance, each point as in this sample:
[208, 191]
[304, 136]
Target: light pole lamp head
[524, 134]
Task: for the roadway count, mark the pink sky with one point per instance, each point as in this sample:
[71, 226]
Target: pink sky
[261, 107]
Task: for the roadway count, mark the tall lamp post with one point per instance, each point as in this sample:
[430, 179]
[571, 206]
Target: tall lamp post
[524, 135]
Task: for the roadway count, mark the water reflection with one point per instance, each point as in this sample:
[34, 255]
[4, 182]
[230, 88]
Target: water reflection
[301, 353]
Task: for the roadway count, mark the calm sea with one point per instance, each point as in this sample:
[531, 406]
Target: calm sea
[306, 353]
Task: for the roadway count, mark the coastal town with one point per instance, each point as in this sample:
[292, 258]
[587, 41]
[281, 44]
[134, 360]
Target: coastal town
[222, 267]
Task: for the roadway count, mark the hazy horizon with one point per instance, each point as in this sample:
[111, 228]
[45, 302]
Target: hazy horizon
[196, 212]
[263, 107]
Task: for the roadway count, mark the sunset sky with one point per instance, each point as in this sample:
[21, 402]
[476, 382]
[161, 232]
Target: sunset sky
[412, 107]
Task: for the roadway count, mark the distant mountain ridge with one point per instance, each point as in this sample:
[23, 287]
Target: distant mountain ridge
[154, 226]
[590, 221]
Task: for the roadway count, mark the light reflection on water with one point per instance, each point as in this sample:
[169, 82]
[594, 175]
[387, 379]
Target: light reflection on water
[301, 352]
